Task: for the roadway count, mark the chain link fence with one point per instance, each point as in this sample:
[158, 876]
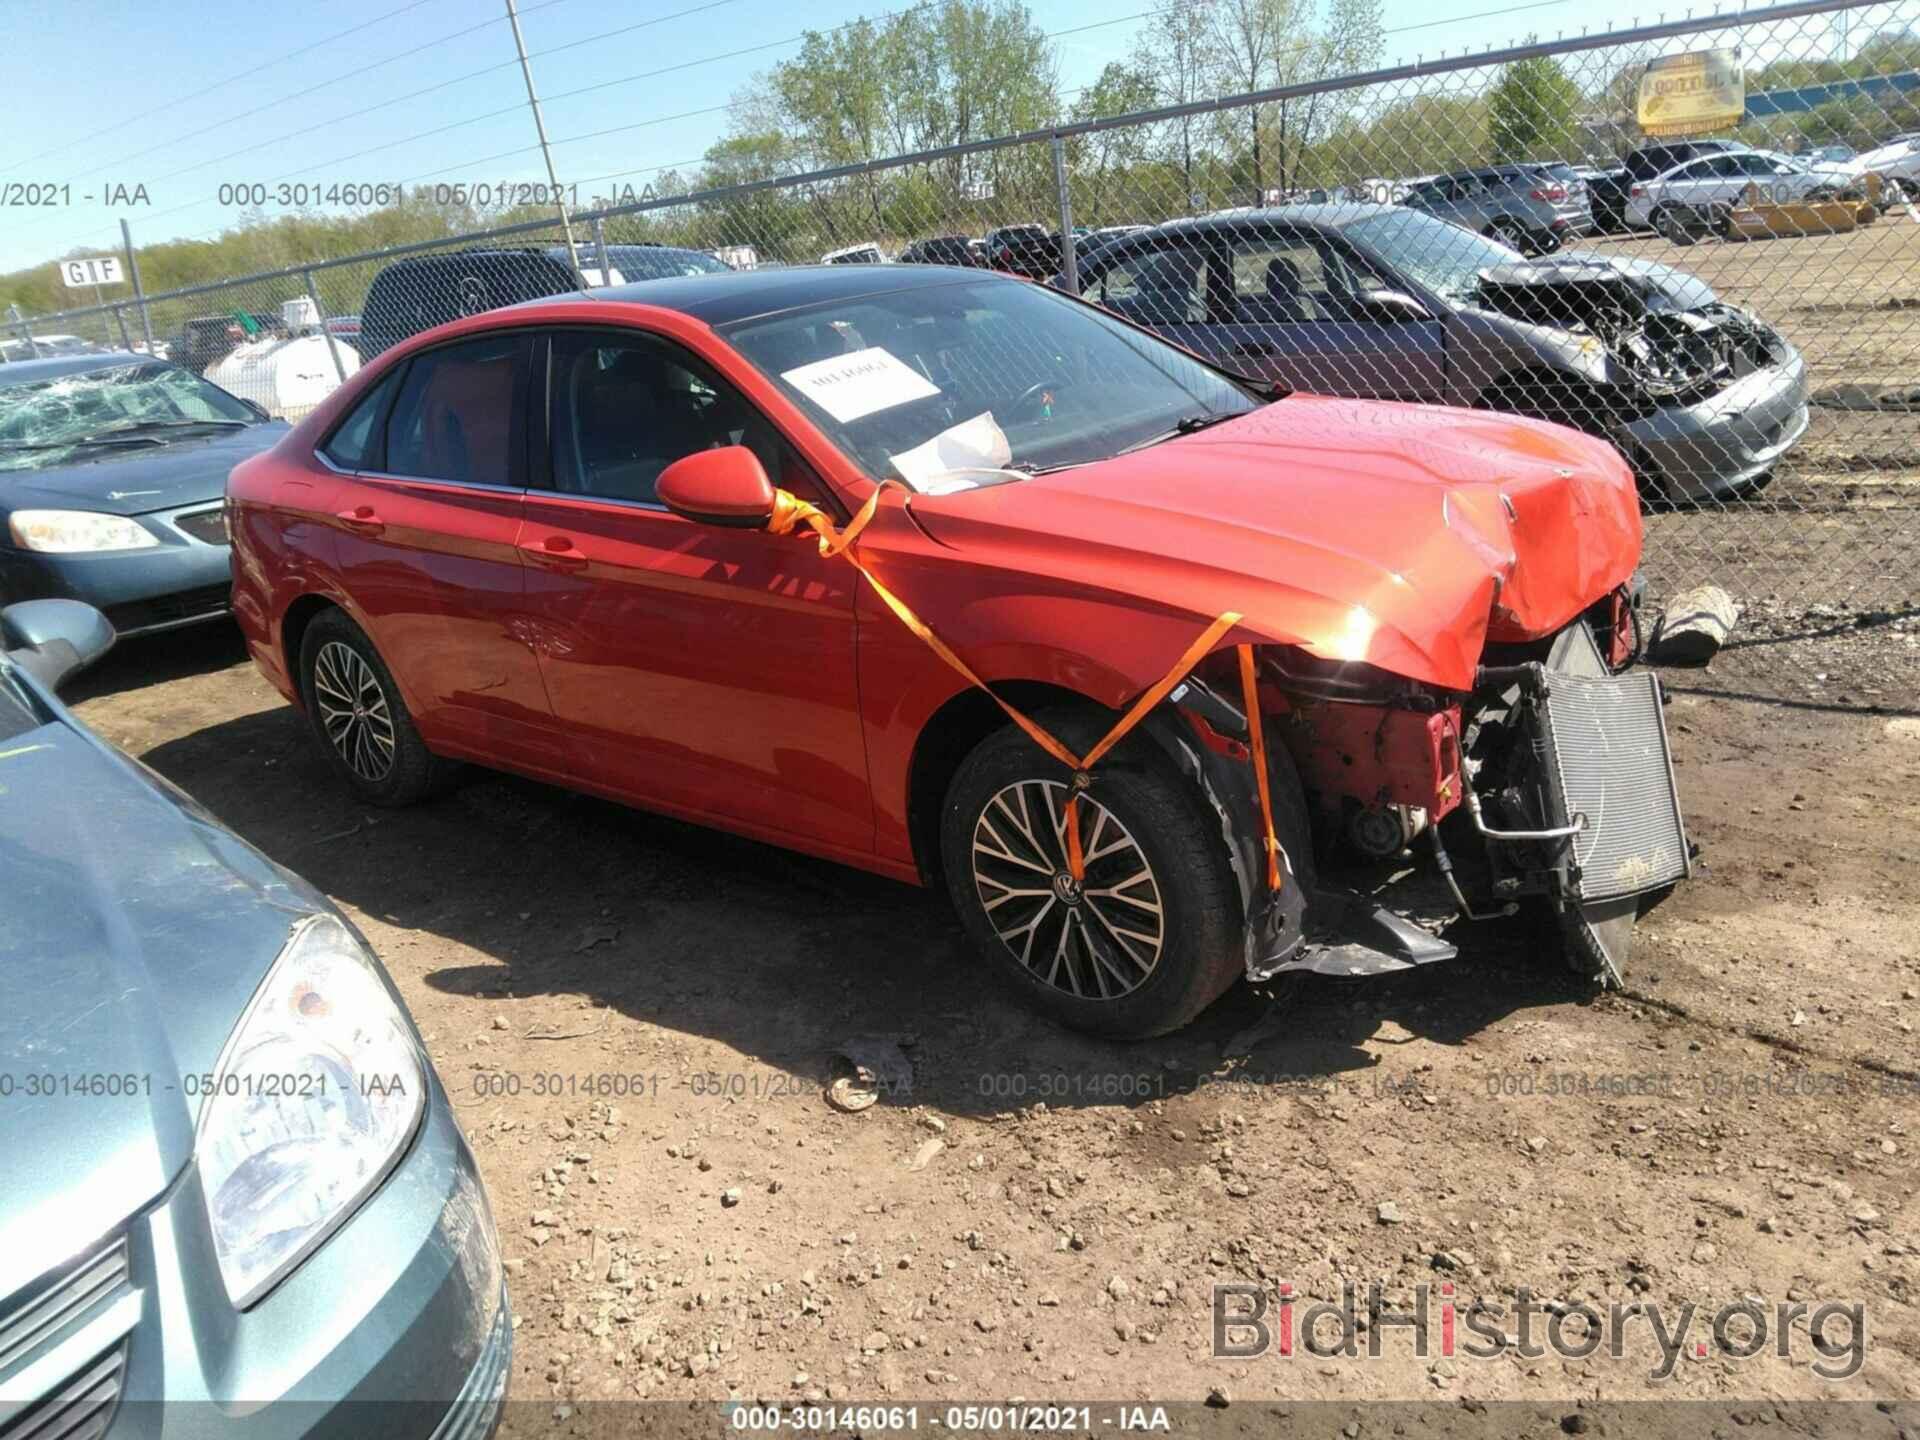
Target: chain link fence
[1739, 314]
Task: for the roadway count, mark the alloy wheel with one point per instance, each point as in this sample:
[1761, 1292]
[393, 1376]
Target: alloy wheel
[1095, 939]
[353, 710]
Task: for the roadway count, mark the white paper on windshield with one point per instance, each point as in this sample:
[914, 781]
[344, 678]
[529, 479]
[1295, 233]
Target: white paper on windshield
[976, 444]
[850, 386]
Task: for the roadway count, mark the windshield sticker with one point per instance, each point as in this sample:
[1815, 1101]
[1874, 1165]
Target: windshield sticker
[976, 444]
[850, 386]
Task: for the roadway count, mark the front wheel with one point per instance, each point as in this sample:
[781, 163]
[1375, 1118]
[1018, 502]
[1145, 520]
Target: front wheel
[359, 717]
[1149, 938]
[1675, 223]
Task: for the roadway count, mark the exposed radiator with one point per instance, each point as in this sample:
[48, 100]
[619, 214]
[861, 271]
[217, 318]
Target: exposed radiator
[1607, 745]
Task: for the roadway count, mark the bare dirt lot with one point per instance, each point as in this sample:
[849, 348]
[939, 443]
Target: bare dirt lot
[637, 1018]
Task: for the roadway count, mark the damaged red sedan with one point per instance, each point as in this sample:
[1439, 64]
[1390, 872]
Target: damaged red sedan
[552, 539]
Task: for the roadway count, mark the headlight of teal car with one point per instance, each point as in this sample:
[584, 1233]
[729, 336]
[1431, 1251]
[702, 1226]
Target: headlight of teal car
[315, 1097]
[77, 532]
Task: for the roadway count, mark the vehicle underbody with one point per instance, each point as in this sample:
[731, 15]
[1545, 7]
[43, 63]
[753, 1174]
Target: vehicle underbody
[1416, 808]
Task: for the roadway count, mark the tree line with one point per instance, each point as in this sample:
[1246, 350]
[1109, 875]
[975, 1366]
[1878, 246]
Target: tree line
[951, 73]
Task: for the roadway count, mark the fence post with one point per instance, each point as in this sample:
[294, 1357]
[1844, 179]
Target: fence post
[120, 319]
[1069, 262]
[600, 244]
[26, 330]
[139, 294]
[313, 294]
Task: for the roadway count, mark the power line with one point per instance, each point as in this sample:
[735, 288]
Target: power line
[400, 99]
[253, 70]
[331, 81]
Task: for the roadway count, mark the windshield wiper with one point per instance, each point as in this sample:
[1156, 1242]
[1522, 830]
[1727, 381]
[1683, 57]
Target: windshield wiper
[141, 427]
[106, 437]
[136, 434]
[1264, 388]
[1185, 425]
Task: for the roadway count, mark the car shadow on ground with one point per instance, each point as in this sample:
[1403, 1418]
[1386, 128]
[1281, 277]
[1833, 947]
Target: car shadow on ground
[567, 906]
[153, 659]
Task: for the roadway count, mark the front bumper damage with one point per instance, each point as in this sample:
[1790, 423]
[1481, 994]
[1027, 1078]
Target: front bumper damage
[1551, 780]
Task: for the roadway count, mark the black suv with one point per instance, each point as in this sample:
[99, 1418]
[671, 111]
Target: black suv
[959, 250]
[205, 341]
[423, 291]
[1028, 250]
[1607, 192]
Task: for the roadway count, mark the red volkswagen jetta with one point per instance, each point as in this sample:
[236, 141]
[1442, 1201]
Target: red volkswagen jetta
[552, 539]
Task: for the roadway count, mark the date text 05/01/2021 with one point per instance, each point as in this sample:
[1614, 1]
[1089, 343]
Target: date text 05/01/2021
[1012, 1417]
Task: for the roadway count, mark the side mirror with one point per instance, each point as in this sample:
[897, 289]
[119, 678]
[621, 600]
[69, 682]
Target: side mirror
[1390, 305]
[727, 487]
[54, 640]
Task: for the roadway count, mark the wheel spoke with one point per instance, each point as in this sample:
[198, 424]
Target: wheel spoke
[354, 711]
[1095, 938]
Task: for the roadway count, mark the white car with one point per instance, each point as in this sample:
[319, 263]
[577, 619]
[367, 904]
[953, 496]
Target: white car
[1704, 188]
[1898, 159]
[866, 253]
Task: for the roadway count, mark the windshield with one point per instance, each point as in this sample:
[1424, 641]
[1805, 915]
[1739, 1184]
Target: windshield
[44, 422]
[1447, 259]
[939, 384]
[647, 262]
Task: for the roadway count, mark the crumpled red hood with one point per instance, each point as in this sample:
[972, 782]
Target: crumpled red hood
[1406, 536]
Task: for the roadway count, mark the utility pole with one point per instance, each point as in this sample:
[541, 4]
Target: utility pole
[540, 128]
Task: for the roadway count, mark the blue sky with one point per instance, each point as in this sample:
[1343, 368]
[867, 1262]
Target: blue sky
[181, 98]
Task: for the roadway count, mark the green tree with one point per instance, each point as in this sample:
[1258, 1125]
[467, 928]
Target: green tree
[1532, 111]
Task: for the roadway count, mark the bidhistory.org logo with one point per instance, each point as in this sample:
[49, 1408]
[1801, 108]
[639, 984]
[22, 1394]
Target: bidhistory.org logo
[1250, 1323]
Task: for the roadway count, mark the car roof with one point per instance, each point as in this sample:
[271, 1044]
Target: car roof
[749, 294]
[25, 372]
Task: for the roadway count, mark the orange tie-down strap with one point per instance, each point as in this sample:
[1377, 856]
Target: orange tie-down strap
[790, 512]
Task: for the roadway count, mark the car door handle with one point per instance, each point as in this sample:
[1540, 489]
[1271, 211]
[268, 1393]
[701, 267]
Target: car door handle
[362, 519]
[1256, 347]
[556, 552]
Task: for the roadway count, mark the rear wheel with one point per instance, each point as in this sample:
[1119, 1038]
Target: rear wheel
[357, 713]
[1149, 939]
[1511, 232]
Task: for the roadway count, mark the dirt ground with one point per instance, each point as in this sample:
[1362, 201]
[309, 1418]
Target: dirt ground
[636, 1019]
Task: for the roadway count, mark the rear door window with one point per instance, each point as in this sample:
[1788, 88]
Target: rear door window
[453, 417]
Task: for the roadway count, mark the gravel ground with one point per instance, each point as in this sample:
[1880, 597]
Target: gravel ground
[637, 1020]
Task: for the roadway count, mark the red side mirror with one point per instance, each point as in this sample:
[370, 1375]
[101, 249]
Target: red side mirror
[727, 486]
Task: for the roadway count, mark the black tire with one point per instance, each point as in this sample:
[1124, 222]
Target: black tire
[1512, 233]
[1671, 222]
[410, 771]
[1198, 954]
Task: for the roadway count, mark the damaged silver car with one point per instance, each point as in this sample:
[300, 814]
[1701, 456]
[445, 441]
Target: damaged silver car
[1700, 396]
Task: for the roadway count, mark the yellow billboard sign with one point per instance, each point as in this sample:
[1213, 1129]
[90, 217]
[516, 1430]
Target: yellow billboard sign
[1692, 94]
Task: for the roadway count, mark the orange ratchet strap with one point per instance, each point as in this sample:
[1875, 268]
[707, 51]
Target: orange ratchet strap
[790, 512]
